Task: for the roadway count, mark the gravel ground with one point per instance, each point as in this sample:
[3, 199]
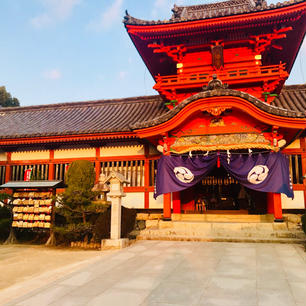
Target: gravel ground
[23, 267]
[163, 273]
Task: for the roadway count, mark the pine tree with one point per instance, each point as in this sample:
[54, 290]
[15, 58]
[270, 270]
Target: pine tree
[78, 196]
[6, 99]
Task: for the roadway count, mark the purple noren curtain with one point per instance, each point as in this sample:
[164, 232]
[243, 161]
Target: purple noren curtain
[267, 172]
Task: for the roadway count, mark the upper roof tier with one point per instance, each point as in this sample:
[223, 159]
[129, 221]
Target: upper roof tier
[234, 23]
[212, 10]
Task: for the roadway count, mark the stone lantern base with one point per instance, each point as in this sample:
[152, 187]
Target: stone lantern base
[114, 243]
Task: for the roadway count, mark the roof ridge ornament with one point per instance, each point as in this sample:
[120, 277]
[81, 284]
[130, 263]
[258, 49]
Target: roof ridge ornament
[215, 84]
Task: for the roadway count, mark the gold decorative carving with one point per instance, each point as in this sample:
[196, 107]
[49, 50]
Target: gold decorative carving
[217, 111]
[216, 122]
[221, 142]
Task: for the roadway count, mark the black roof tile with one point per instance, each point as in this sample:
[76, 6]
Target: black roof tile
[123, 115]
[102, 116]
[292, 97]
[271, 109]
[212, 10]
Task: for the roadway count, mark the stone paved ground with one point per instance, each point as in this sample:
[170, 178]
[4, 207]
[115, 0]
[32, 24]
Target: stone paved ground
[165, 273]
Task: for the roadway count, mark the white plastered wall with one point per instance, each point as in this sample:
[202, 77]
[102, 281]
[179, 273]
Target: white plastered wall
[75, 153]
[158, 203]
[30, 155]
[295, 144]
[3, 156]
[297, 203]
[121, 151]
[133, 200]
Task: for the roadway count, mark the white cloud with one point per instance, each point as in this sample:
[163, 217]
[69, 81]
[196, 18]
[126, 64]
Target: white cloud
[303, 47]
[55, 11]
[108, 17]
[161, 7]
[52, 74]
[122, 75]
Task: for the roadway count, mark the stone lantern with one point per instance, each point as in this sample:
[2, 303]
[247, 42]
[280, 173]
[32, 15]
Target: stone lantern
[102, 188]
[116, 181]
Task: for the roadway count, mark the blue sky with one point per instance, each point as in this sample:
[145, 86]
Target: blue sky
[76, 50]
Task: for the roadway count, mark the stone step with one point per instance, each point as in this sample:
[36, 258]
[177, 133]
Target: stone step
[221, 239]
[208, 217]
[229, 234]
[221, 231]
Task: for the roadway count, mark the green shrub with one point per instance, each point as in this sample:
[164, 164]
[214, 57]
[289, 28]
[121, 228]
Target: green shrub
[4, 213]
[303, 219]
[5, 223]
[73, 232]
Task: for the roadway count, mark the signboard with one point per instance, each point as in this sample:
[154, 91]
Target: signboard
[27, 174]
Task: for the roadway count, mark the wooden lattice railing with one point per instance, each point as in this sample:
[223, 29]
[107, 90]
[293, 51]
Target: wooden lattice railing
[232, 76]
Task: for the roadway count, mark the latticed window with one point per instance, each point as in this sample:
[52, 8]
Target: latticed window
[133, 171]
[39, 172]
[153, 170]
[295, 166]
[2, 175]
[59, 171]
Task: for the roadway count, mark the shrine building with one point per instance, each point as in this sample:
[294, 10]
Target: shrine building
[223, 134]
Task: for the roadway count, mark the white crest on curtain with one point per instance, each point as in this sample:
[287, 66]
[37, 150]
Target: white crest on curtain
[258, 174]
[183, 174]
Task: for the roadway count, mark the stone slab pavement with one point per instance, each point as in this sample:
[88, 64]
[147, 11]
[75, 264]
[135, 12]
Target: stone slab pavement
[168, 273]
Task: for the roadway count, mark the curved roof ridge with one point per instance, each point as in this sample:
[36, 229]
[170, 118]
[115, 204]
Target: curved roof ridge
[177, 9]
[78, 118]
[292, 97]
[294, 87]
[64, 105]
[212, 10]
[271, 109]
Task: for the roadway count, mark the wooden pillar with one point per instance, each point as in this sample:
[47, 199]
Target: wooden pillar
[167, 206]
[51, 166]
[303, 147]
[51, 172]
[275, 206]
[97, 165]
[146, 177]
[176, 202]
[98, 170]
[146, 199]
[8, 167]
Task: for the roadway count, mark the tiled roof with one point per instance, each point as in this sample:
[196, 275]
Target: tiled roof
[292, 97]
[104, 116]
[271, 109]
[124, 115]
[213, 10]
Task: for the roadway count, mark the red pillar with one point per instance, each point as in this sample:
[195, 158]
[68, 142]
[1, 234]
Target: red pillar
[51, 172]
[303, 147]
[51, 166]
[146, 183]
[176, 200]
[8, 167]
[167, 206]
[97, 165]
[275, 206]
[98, 171]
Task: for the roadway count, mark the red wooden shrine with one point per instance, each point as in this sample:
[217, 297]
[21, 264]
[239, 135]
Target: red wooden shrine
[252, 52]
[218, 70]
